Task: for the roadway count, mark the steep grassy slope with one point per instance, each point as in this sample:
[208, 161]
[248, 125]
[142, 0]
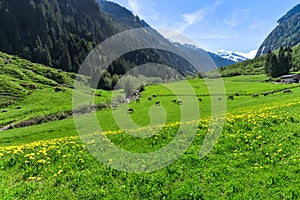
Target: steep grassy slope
[30, 90]
[20, 78]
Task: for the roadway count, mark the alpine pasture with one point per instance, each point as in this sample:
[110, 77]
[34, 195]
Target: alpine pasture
[256, 156]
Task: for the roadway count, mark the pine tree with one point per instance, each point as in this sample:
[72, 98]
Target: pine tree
[47, 57]
[275, 71]
[281, 62]
[105, 81]
[65, 60]
[268, 65]
[289, 59]
[115, 79]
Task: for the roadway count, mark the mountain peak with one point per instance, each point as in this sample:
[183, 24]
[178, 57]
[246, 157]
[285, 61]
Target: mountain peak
[289, 14]
[235, 55]
[286, 33]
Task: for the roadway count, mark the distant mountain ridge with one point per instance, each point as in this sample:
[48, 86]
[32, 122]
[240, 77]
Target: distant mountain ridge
[219, 61]
[126, 17]
[236, 56]
[287, 32]
[61, 33]
[122, 14]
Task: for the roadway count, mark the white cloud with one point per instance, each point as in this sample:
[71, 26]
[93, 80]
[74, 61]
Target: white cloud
[213, 37]
[134, 6]
[192, 18]
[144, 9]
[198, 16]
[238, 17]
[232, 22]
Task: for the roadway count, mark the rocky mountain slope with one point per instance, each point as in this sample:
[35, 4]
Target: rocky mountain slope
[287, 32]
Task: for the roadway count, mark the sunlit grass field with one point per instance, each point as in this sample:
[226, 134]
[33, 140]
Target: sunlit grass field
[256, 156]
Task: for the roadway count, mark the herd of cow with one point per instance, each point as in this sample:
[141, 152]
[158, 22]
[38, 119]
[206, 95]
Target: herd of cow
[179, 102]
[267, 93]
[157, 103]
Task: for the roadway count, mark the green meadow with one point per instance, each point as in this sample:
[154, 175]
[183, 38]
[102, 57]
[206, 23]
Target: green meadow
[255, 157]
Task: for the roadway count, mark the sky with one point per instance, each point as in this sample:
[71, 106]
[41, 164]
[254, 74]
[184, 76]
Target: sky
[236, 25]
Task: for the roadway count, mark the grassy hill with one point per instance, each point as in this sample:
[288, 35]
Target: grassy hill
[256, 156]
[30, 90]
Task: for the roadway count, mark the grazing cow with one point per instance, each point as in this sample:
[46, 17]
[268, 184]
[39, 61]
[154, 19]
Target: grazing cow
[267, 93]
[58, 89]
[219, 99]
[287, 91]
[174, 101]
[7, 61]
[5, 110]
[179, 102]
[200, 99]
[237, 94]
[230, 97]
[149, 99]
[130, 110]
[114, 107]
[255, 95]
[138, 100]
[18, 108]
[157, 103]
[154, 95]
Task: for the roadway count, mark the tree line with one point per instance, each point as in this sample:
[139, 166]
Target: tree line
[281, 64]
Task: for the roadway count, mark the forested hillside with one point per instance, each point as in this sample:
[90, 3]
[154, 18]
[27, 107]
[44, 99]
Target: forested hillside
[54, 33]
[287, 32]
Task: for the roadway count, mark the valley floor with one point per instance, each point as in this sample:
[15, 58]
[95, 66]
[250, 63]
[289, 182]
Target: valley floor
[255, 157]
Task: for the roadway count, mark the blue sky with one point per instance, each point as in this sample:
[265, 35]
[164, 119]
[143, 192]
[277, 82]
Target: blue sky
[238, 25]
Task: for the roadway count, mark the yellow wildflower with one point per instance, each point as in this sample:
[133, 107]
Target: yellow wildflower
[31, 158]
[32, 178]
[42, 161]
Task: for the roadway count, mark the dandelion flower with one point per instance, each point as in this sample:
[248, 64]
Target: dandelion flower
[32, 178]
[42, 161]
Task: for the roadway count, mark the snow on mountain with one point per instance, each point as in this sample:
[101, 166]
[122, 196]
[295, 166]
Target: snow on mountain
[236, 56]
[219, 61]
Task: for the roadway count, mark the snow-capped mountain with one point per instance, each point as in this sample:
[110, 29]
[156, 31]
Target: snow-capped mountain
[236, 56]
[219, 61]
